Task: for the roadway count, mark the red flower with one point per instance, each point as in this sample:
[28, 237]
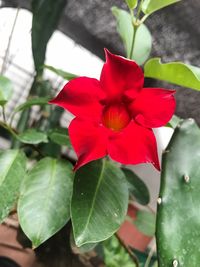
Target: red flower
[114, 116]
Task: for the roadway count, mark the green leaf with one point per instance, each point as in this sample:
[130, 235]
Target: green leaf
[173, 72]
[66, 75]
[143, 42]
[150, 6]
[33, 136]
[115, 255]
[173, 123]
[6, 90]
[13, 168]
[146, 222]
[137, 187]
[131, 3]
[40, 101]
[82, 249]
[46, 15]
[60, 136]
[99, 202]
[44, 203]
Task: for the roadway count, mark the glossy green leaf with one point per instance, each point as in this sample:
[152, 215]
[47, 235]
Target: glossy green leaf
[131, 3]
[33, 136]
[173, 72]
[99, 202]
[137, 187]
[143, 43]
[46, 15]
[12, 172]
[6, 90]
[40, 101]
[150, 6]
[146, 222]
[82, 249]
[66, 75]
[60, 136]
[44, 203]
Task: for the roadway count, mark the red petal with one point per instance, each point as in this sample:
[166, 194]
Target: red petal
[153, 107]
[81, 96]
[89, 141]
[135, 144]
[119, 75]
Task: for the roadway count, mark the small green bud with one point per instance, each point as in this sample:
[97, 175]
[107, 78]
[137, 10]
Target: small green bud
[131, 3]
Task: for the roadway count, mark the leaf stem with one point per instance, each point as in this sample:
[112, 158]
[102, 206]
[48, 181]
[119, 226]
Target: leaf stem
[4, 114]
[148, 261]
[128, 250]
[135, 27]
[8, 128]
[136, 23]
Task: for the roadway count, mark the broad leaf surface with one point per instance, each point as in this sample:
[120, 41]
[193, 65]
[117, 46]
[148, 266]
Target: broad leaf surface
[173, 72]
[99, 202]
[60, 136]
[33, 136]
[143, 43]
[46, 15]
[65, 75]
[6, 89]
[137, 187]
[13, 168]
[40, 101]
[44, 203]
[146, 222]
[150, 6]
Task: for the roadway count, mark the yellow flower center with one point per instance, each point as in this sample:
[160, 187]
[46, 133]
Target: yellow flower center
[116, 117]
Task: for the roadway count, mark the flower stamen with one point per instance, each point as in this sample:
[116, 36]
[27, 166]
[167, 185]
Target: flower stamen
[116, 117]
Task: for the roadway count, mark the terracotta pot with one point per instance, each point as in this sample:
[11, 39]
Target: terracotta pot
[131, 235]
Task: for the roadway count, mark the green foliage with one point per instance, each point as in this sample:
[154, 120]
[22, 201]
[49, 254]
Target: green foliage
[142, 258]
[150, 6]
[66, 75]
[6, 90]
[33, 136]
[173, 123]
[44, 202]
[115, 255]
[145, 222]
[143, 41]
[173, 72]
[39, 101]
[60, 136]
[99, 202]
[137, 187]
[13, 168]
[131, 3]
[178, 220]
[46, 15]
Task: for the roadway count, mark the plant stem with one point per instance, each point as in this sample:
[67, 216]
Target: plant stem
[131, 254]
[135, 27]
[8, 128]
[148, 261]
[136, 23]
[3, 68]
[4, 114]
